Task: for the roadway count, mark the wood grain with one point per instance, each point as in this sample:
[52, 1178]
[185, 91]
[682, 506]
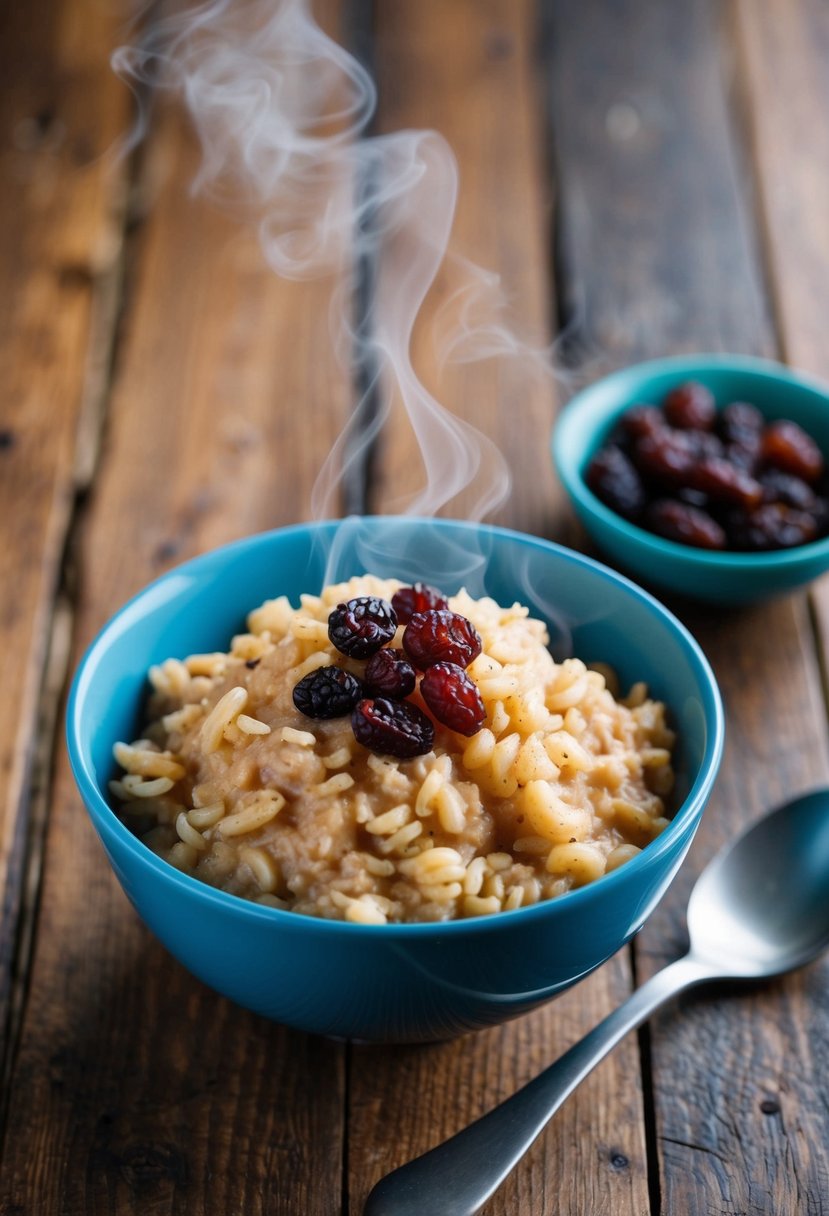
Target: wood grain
[136, 1089]
[469, 70]
[659, 239]
[789, 140]
[59, 249]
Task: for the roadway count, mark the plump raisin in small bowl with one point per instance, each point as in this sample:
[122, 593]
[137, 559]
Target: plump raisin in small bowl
[704, 475]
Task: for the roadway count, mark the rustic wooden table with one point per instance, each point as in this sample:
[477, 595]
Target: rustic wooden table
[647, 178]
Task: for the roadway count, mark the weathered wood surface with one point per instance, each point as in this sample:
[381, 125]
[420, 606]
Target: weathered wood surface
[470, 71]
[787, 43]
[659, 235]
[59, 247]
[690, 215]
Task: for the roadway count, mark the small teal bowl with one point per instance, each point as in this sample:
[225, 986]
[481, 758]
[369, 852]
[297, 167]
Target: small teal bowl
[399, 983]
[725, 578]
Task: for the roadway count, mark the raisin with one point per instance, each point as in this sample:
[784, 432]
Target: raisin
[453, 698]
[389, 674]
[783, 487]
[725, 482]
[690, 407]
[688, 525]
[440, 636]
[704, 444]
[771, 526]
[746, 454]
[786, 446]
[641, 420]
[694, 498]
[392, 728]
[419, 598]
[741, 423]
[613, 479]
[666, 455]
[328, 692]
[360, 627]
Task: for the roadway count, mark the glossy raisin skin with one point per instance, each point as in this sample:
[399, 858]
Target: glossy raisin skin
[362, 626]
[689, 525]
[747, 456]
[441, 636]
[666, 456]
[690, 407]
[740, 423]
[613, 479]
[722, 481]
[704, 444]
[388, 673]
[392, 728]
[418, 598]
[771, 526]
[791, 491]
[786, 446]
[328, 692]
[713, 479]
[639, 421]
[453, 698]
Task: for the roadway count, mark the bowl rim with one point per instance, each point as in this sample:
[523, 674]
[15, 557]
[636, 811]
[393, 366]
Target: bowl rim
[107, 823]
[578, 490]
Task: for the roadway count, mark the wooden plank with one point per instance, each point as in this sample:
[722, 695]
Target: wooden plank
[782, 55]
[657, 235]
[135, 1088]
[468, 70]
[789, 44]
[60, 111]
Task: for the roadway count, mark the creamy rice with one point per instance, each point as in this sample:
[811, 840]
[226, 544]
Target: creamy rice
[232, 784]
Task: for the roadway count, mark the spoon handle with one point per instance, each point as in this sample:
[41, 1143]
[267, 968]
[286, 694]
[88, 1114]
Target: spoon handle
[458, 1176]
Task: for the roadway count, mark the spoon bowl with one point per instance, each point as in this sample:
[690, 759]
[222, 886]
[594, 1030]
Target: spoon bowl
[759, 909]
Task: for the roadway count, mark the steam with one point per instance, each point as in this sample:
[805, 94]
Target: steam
[282, 113]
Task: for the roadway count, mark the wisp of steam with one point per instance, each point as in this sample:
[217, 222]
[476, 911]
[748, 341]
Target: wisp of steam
[282, 113]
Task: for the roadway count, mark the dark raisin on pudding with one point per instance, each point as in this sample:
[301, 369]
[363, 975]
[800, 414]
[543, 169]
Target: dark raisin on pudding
[436, 640]
[362, 626]
[392, 728]
[389, 674]
[441, 636]
[453, 698]
[713, 479]
[328, 692]
[418, 598]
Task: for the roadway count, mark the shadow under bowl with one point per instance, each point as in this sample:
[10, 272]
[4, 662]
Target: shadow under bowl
[392, 982]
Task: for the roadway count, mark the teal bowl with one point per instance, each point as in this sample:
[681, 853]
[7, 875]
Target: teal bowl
[407, 982]
[725, 578]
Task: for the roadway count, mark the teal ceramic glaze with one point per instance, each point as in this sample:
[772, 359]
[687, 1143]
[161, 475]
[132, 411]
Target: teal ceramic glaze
[727, 578]
[392, 982]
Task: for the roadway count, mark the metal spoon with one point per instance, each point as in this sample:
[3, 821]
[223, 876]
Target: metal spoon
[759, 909]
